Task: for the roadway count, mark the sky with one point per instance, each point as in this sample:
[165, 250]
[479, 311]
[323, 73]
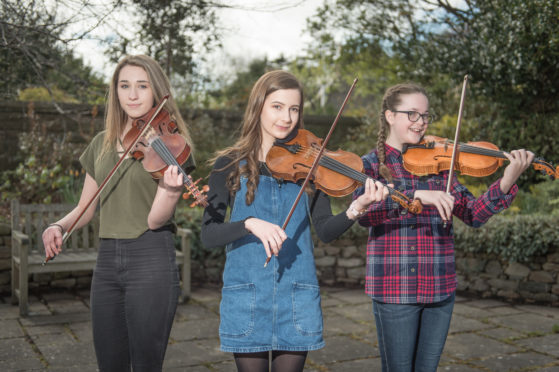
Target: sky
[272, 33]
[270, 30]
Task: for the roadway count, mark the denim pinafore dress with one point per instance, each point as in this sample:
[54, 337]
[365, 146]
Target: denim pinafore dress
[276, 307]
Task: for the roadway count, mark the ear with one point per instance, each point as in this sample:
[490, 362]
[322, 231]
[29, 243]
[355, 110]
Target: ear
[389, 116]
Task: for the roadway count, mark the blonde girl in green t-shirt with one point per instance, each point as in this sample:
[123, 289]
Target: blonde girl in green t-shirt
[135, 286]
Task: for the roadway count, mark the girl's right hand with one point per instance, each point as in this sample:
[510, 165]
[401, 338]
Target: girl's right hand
[272, 236]
[52, 240]
[441, 200]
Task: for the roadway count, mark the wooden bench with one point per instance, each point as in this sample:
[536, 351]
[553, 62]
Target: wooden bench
[79, 252]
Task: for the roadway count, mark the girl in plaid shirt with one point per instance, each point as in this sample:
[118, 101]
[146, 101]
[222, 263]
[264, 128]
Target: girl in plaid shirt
[411, 273]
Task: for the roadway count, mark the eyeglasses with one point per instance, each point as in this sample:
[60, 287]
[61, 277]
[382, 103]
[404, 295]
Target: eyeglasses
[414, 116]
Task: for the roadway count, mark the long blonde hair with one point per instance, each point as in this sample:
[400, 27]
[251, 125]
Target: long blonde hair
[249, 143]
[115, 117]
[390, 101]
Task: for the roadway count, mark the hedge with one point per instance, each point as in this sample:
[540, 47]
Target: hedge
[513, 238]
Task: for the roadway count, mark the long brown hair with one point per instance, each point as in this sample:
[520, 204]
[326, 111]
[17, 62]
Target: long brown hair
[115, 117]
[390, 101]
[249, 143]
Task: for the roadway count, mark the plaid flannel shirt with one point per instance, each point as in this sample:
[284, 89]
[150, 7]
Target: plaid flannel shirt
[410, 258]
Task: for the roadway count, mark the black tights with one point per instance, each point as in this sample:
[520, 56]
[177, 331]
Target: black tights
[282, 361]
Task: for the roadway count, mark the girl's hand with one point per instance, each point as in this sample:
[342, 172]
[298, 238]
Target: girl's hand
[441, 200]
[374, 191]
[271, 235]
[519, 161]
[52, 240]
[172, 179]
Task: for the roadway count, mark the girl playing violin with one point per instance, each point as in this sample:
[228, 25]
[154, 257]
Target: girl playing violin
[274, 308]
[135, 286]
[410, 258]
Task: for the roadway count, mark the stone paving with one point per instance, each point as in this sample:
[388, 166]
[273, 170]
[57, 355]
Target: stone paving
[485, 335]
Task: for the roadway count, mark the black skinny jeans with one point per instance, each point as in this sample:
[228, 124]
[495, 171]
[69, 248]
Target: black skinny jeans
[134, 295]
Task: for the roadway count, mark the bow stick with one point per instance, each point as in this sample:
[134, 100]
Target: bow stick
[456, 135]
[316, 160]
[111, 173]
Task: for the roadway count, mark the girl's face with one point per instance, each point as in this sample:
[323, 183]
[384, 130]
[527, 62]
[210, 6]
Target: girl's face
[280, 114]
[134, 91]
[402, 129]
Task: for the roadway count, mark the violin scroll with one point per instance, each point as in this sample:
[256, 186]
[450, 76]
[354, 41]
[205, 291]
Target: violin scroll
[546, 168]
[194, 191]
[414, 206]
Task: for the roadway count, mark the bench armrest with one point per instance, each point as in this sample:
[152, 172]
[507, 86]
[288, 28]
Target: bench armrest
[183, 233]
[20, 237]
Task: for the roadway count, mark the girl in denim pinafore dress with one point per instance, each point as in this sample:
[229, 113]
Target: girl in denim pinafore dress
[285, 294]
[274, 308]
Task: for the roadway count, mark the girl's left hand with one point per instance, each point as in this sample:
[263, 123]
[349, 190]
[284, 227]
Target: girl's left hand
[520, 160]
[172, 179]
[375, 191]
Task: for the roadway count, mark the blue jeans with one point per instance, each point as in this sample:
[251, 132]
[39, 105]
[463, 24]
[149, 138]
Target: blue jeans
[411, 337]
[134, 295]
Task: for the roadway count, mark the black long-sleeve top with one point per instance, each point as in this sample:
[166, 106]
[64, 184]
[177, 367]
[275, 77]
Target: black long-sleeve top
[216, 232]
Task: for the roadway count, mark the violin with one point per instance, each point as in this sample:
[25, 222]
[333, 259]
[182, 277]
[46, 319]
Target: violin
[478, 159]
[161, 146]
[338, 173]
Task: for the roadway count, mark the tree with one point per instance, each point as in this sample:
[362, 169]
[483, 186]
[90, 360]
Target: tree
[510, 48]
[172, 32]
[35, 53]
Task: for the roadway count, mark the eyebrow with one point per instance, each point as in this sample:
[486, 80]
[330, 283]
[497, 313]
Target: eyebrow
[138, 81]
[281, 103]
[414, 109]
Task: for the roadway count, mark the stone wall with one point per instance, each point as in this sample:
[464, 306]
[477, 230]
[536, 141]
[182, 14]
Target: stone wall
[342, 263]
[488, 276]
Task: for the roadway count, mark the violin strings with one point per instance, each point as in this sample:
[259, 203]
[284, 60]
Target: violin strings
[480, 150]
[169, 159]
[339, 167]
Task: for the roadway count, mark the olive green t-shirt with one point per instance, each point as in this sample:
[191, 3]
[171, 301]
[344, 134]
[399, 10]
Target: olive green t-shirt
[128, 196]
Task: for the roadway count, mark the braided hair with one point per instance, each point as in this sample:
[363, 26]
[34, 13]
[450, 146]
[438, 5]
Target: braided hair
[391, 99]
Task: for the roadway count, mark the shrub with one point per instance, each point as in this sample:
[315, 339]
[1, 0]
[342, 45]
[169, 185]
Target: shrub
[47, 174]
[513, 238]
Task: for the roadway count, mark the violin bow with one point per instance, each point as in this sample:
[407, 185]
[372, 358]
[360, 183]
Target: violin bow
[456, 136]
[316, 160]
[111, 174]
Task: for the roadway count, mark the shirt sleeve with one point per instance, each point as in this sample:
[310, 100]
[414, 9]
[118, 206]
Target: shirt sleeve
[215, 231]
[476, 212]
[327, 226]
[380, 212]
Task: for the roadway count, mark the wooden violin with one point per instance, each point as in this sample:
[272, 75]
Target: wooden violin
[338, 173]
[478, 159]
[161, 146]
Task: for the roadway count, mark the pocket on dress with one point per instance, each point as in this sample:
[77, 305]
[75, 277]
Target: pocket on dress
[236, 311]
[307, 315]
